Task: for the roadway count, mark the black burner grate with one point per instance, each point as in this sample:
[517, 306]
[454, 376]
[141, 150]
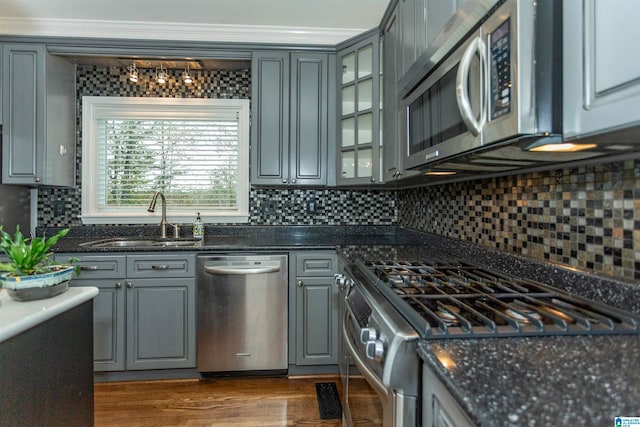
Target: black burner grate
[450, 300]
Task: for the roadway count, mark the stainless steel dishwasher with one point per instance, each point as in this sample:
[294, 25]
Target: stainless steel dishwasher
[242, 314]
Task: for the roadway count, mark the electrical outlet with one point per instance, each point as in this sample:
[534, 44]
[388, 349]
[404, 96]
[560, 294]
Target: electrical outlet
[312, 206]
[269, 207]
[58, 208]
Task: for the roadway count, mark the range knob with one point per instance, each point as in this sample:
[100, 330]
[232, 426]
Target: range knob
[375, 350]
[368, 334]
[342, 281]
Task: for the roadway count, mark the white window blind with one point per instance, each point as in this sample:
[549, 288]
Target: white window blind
[194, 163]
[194, 151]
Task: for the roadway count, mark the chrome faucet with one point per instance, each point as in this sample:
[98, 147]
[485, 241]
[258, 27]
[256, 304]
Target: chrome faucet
[163, 221]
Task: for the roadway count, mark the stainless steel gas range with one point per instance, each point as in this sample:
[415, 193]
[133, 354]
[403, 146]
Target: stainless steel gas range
[391, 305]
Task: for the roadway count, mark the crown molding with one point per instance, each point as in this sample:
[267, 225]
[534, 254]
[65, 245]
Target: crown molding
[137, 30]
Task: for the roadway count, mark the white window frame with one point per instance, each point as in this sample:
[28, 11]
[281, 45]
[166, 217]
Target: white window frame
[95, 108]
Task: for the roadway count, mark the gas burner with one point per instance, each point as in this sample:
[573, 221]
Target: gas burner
[447, 313]
[520, 313]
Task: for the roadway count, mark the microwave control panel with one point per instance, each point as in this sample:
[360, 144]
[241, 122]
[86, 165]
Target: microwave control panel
[499, 42]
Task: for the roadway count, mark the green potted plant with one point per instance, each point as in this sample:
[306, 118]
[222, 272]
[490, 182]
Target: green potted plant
[30, 273]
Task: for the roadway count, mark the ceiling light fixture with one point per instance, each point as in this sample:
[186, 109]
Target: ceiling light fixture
[161, 74]
[133, 73]
[186, 76]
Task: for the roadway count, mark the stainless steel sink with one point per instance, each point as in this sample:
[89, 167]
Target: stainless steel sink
[138, 243]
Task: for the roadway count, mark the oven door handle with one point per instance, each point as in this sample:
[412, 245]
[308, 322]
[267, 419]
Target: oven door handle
[368, 374]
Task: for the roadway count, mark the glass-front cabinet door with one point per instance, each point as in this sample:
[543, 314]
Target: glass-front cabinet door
[359, 136]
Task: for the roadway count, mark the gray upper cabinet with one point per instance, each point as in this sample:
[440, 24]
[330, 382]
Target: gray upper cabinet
[438, 13]
[601, 65]
[291, 100]
[359, 110]
[1, 83]
[413, 30]
[393, 133]
[38, 116]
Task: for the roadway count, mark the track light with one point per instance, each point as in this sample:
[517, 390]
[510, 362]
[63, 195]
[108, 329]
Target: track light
[186, 76]
[161, 74]
[133, 73]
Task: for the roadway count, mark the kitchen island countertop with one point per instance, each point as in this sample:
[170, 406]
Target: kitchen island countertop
[19, 316]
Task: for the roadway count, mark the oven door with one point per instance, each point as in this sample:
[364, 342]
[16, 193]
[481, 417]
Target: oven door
[360, 383]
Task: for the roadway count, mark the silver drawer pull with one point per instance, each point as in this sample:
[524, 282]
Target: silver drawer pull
[89, 267]
[160, 267]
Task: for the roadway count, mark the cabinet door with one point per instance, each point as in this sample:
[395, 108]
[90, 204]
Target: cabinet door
[1, 84]
[438, 14]
[358, 150]
[108, 323]
[161, 323]
[316, 321]
[23, 80]
[439, 407]
[602, 68]
[106, 272]
[309, 119]
[270, 118]
[390, 149]
[413, 31]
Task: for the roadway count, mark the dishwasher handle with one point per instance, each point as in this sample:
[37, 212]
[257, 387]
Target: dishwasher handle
[241, 270]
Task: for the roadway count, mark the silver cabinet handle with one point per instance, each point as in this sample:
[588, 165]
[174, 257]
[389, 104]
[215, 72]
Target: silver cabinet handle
[160, 267]
[293, 180]
[118, 285]
[36, 179]
[300, 283]
[284, 181]
[245, 271]
[88, 267]
[129, 284]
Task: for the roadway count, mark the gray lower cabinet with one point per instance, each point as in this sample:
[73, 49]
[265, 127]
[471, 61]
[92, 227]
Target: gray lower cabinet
[439, 408]
[601, 89]
[316, 308]
[38, 117]
[292, 95]
[145, 312]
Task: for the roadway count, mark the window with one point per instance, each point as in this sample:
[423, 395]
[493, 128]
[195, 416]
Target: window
[195, 151]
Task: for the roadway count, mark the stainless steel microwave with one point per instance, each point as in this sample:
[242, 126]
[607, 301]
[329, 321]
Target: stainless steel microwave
[502, 83]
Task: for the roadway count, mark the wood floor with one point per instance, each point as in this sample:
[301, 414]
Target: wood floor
[244, 402]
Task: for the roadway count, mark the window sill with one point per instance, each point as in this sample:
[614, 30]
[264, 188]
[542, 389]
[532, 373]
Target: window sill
[207, 218]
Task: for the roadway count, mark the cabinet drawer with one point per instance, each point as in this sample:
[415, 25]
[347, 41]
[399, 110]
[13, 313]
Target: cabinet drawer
[316, 264]
[173, 265]
[98, 266]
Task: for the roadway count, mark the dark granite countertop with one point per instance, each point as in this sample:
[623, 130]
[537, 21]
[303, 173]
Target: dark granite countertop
[241, 238]
[542, 381]
[585, 380]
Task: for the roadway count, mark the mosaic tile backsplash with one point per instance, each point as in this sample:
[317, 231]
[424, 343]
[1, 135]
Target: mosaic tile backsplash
[588, 217]
[331, 207]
